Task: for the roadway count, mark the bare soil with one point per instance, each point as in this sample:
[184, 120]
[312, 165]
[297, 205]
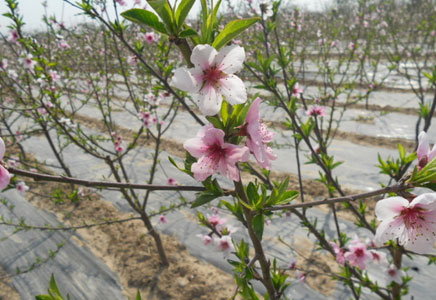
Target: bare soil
[130, 251]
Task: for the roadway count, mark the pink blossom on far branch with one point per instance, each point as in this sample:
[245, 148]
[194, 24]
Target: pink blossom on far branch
[425, 155]
[413, 223]
[212, 78]
[316, 111]
[150, 37]
[5, 177]
[357, 254]
[214, 155]
[297, 91]
[22, 187]
[258, 136]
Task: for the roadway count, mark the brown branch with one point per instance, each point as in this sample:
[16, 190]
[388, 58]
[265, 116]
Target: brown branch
[91, 183]
[389, 189]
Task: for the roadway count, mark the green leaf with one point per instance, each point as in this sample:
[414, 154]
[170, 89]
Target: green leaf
[182, 12]
[53, 288]
[205, 197]
[145, 17]
[138, 296]
[225, 112]
[232, 30]
[188, 33]
[258, 224]
[43, 297]
[164, 11]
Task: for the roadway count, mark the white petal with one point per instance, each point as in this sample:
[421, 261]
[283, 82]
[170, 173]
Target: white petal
[203, 56]
[389, 229]
[422, 244]
[230, 59]
[427, 201]
[423, 145]
[184, 80]
[233, 89]
[2, 148]
[209, 101]
[390, 207]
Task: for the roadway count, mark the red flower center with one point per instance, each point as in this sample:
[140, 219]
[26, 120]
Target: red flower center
[212, 75]
[411, 215]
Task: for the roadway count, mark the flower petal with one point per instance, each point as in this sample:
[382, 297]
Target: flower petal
[203, 168]
[388, 230]
[423, 145]
[422, 244]
[253, 115]
[2, 148]
[184, 80]
[5, 177]
[195, 147]
[203, 56]
[426, 201]
[236, 154]
[230, 59]
[209, 101]
[390, 207]
[233, 89]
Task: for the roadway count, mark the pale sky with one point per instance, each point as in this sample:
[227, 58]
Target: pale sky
[32, 11]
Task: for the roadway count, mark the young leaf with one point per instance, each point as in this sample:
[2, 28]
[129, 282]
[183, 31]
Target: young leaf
[145, 17]
[182, 12]
[187, 33]
[232, 30]
[258, 224]
[164, 11]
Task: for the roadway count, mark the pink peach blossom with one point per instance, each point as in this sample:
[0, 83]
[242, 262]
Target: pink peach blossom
[316, 111]
[150, 37]
[163, 219]
[357, 254]
[224, 243]
[425, 155]
[4, 63]
[258, 136]
[22, 187]
[214, 155]
[413, 223]
[394, 275]
[5, 177]
[206, 239]
[212, 78]
[297, 91]
[13, 36]
[339, 252]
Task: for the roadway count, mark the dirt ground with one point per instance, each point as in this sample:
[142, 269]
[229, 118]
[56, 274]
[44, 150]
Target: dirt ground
[130, 251]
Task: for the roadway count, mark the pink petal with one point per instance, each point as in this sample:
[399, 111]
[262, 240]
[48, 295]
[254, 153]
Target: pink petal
[236, 154]
[195, 147]
[185, 81]
[230, 59]
[390, 207]
[203, 56]
[233, 89]
[203, 168]
[5, 177]
[253, 114]
[214, 136]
